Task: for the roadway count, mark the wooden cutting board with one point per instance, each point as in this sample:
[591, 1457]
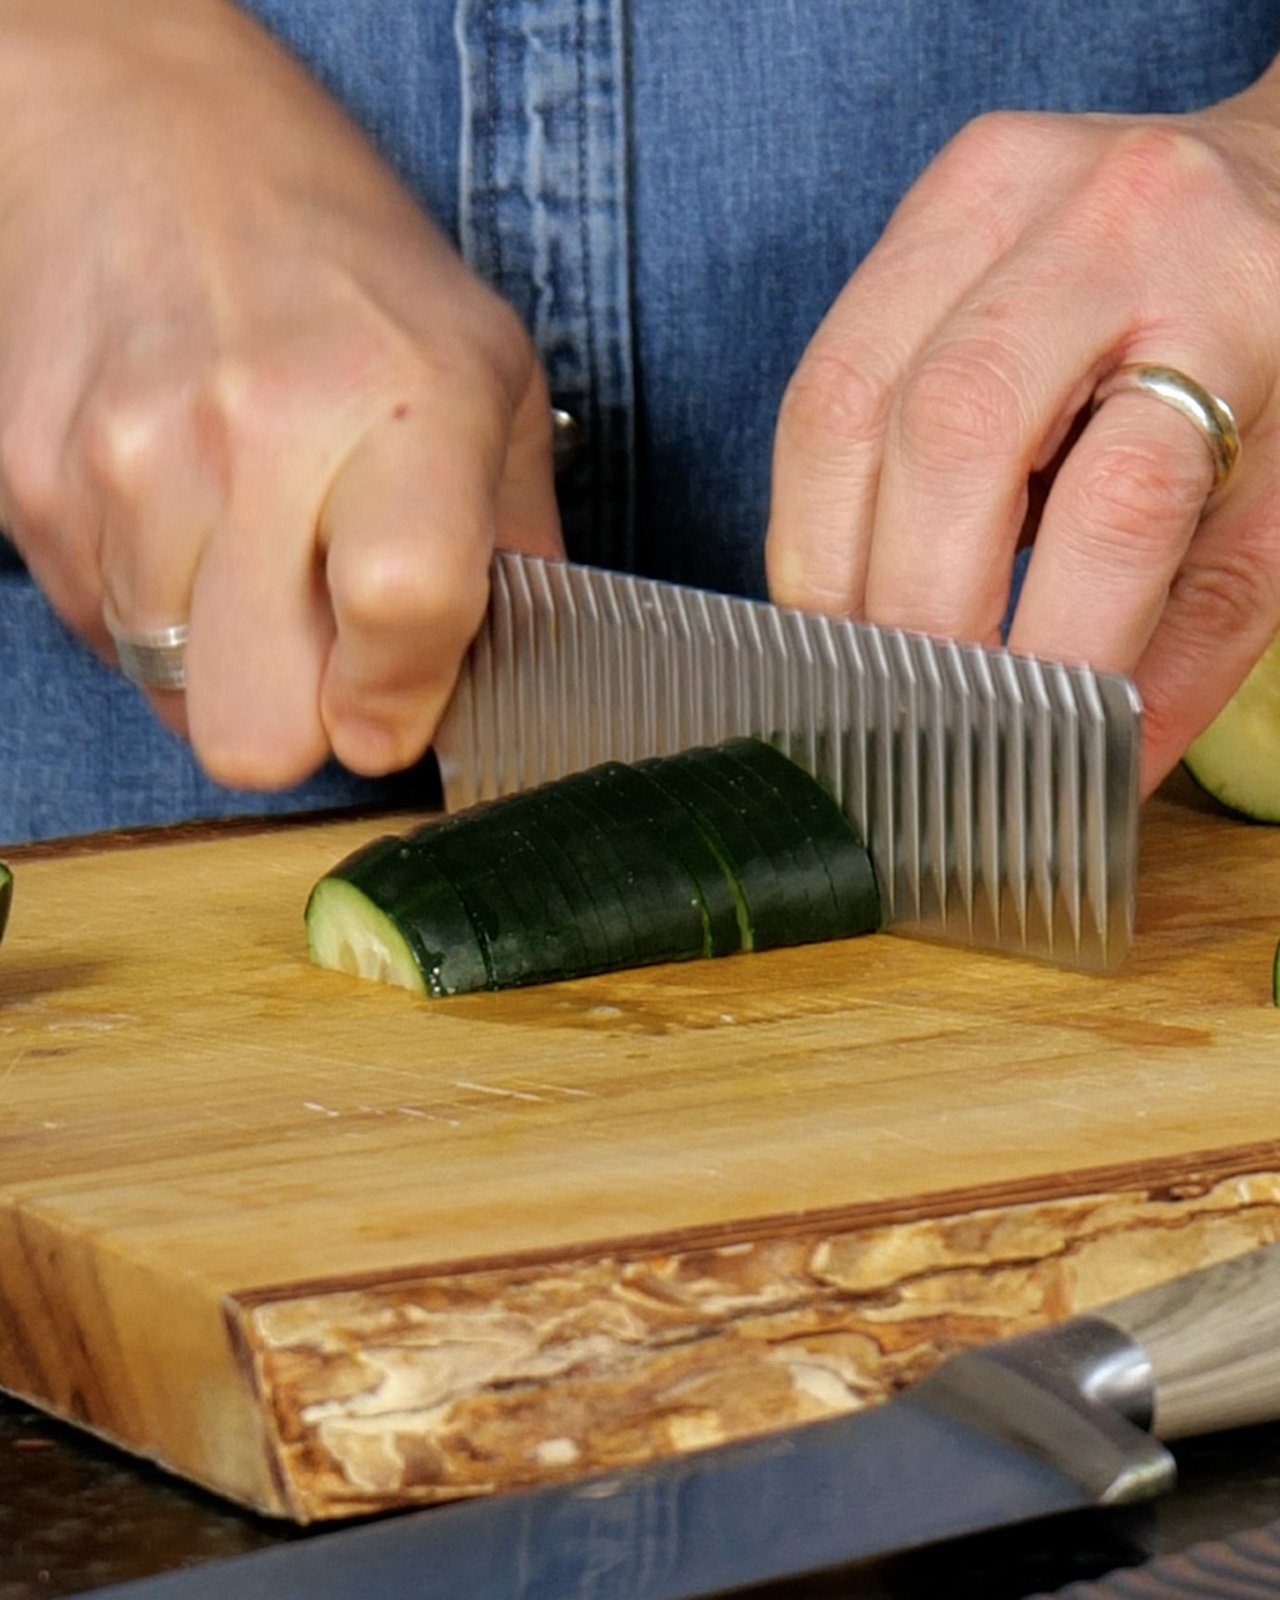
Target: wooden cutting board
[327, 1248]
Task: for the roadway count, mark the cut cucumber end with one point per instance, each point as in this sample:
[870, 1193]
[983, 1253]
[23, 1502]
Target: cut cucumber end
[1237, 758]
[347, 933]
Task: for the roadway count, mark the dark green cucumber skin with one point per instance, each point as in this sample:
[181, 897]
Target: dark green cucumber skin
[6, 897]
[704, 853]
[824, 828]
[633, 886]
[742, 842]
[663, 858]
[801, 867]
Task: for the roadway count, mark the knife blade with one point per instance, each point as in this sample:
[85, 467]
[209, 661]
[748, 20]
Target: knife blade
[1046, 1422]
[997, 793]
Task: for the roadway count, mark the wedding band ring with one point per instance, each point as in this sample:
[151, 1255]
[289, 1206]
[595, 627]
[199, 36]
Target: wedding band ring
[154, 658]
[1211, 415]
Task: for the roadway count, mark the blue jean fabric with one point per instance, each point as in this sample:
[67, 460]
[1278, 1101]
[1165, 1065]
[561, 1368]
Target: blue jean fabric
[671, 196]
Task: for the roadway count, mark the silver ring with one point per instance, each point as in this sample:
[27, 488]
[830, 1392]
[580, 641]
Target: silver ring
[153, 658]
[1211, 415]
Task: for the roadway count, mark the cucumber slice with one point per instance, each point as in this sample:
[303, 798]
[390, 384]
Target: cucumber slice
[654, 889]
[6, 896]
[528, 931]
[810, 911]
[1237, 758]
[826, 831]
[661, 824]
[386, 914]
[743, 837]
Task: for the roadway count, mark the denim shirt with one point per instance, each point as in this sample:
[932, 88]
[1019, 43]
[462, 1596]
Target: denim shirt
[671, 196]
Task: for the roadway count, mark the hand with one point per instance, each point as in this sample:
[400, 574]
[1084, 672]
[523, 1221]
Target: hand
[245, 383]
[1036, 254]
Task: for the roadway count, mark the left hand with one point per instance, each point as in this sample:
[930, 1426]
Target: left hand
[1037, 253]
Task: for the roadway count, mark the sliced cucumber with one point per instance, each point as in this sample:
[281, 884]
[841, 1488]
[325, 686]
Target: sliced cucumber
[6, 896]
[824, 829]
[1237, 758]
[744, 840]
[659, 827]
[699, 854]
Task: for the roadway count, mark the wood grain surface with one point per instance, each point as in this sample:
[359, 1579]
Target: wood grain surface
[328, 1248]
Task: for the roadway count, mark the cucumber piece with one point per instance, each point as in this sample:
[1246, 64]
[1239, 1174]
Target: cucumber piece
[527, 929]
[825, 831]
[655, 890]
[660, 823]
[806, 888]
[697, 854]
[386, 914]
[1237, 758]
[6, 896]
[744, 839]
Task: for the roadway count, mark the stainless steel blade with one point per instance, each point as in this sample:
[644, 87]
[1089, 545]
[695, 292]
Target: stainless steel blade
[819, 1496]
[998, 794]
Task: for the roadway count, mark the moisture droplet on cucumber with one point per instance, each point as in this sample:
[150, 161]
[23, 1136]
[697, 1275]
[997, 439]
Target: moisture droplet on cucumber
[705, 853]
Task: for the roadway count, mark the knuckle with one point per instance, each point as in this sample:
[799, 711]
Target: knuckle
[1224, 598]
[834, 397]
[1152, 170]
[1139, 491]
[393, 591]
[959, 404]
[126, 436]
[997, 139]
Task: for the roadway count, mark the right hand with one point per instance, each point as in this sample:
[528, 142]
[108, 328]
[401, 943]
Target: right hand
[245, 383]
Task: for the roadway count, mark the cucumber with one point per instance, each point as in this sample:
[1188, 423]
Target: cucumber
[667, 857]
[746, 842]
[704, 853]
[1237, 758]
[823, 829]
[6, 896]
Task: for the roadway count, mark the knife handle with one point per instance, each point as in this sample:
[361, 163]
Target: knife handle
[1213, 1341]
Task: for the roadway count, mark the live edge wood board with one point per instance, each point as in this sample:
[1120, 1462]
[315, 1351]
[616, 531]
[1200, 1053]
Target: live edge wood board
[329, 1249]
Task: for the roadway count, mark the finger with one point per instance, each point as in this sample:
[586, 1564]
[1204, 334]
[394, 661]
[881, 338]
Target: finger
[260, 632]
[971, 206]
[1116, 527]
[986, 404]
[148, 478]
[835, 412]
[1223, 610]
[408, 529]
[527, 516]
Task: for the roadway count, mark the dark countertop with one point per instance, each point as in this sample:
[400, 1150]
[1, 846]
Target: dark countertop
[76, 1515]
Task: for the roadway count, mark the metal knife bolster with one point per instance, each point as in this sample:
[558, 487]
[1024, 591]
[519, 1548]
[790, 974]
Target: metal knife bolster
[1079, 1394]
[997, 793]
